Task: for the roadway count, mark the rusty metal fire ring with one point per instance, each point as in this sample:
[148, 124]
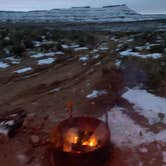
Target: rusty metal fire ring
[80, 141]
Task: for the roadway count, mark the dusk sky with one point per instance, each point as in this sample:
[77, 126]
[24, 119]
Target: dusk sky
[142, 6]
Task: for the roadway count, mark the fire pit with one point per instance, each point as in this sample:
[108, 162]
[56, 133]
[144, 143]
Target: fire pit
[80, 141]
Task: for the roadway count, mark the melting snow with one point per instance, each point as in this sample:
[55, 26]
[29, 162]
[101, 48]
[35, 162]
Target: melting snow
[46, 61]
[71, 46]
[147, 104]
[80, 49]
[84, 58]
[4, 130]
[103, 48]
[3, 65]
[41, 55]
[96, 56]
[23, 70]
[118, 63]
[137, 54]
[55, 90]
[13, 60]
[4, 126]
[126, 133]
[38, 55]
[96, 93]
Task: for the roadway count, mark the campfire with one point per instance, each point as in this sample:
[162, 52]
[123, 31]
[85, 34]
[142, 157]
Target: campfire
[80, 140]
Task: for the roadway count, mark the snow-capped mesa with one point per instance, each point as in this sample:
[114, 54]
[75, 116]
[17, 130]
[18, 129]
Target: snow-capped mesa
[115, 13]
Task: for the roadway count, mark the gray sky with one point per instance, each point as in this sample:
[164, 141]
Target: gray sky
[142, 6]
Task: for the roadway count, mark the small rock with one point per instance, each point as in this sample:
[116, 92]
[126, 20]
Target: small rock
[143, 150]
[23, 159]
[35, 140]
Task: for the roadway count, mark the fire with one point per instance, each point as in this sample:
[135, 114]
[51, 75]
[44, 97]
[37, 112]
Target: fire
[74, 139]
[71, 136]
[92, 142]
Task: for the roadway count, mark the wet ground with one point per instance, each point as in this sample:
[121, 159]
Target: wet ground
[43, 94]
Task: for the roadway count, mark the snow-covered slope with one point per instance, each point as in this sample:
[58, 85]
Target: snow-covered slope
[116, 13]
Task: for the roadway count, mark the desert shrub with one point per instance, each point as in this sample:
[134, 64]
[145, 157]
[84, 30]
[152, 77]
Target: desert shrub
[18, 50]
[157, 48]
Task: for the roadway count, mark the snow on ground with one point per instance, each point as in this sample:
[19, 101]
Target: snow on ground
[23, 70]
[4, 126]
[96, 56]
[118, 63]
[103, 48]
[40, 43]
[80, 49]
[129, 52]
[13, 60]
[3, 65]
[38, 55]
[55, 90]
[71, 46]
[57, 53]
[125, 133]
[96, 93]
[41, 55]
[46, 61]
[84, 58]
[94, 51]
[147, 46]
[4, 131]
[147, 104]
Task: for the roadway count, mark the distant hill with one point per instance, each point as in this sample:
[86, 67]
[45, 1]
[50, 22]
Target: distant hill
[116, 13]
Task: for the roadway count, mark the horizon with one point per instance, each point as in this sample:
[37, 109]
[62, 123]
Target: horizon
[148, 7]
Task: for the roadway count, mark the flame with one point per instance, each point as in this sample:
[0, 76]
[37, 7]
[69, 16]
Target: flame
[67, 147]
[92, 142]
[71, 136]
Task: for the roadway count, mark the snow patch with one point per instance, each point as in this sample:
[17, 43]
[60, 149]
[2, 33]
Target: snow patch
[23, 70]
[96, 56]
[80, 49]
[118, 63]
[13, 60]
[84, 58]
[129, 52]
[96, 93]
[38, 55]
[41, 55]
[55, 90]
[3, 65]
[46, 61]
[147, 104]
[125, 133]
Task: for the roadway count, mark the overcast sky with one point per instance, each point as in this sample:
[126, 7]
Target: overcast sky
[143, 6]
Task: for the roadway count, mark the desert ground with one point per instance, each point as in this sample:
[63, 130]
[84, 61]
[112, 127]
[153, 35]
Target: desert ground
[124, 74]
